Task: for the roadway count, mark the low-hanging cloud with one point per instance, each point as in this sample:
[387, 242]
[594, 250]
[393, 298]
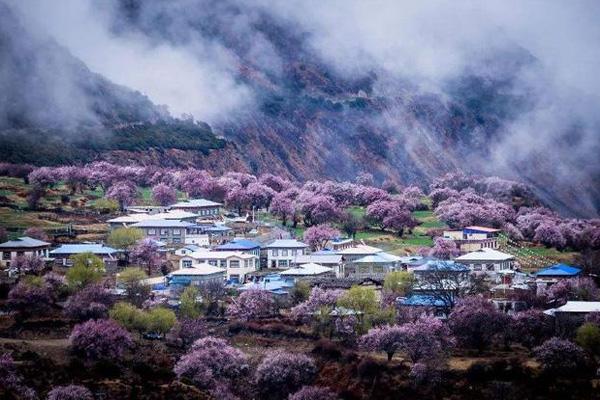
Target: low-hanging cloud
[196, 78]
[191, 54]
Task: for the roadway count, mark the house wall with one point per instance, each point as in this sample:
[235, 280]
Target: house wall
[283, 257]
[7, 255]
[474, 245]
[237, 267]
[64, 260]
[167, 235]
[197, 239]
[490, 265]
[211, 211]
[455, 235]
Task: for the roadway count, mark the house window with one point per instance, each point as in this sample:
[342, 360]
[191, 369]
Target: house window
[164, 232]
[234, 263]
[282, 264]
[294, 252]
[151, 231]
[186, 263]
[176, 240]
[177, 232]
[213, 262]
[6, 255]
[20, 253]
[284, 252]
[275, 252]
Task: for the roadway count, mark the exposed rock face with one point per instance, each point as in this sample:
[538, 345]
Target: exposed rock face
[309, 121]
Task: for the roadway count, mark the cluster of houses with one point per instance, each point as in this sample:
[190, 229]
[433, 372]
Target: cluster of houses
[203, 244]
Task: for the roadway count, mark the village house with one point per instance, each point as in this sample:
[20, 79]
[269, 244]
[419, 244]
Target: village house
[372, 265]
[487, 260]
[274, 283]
[23, 246]
[441, 278]
[187, 249]
[124, 221]
[550, 275]
[571, 315]
[338, 244]
[324, 258]
[473, 238]
[196, 274]
[282, 252]
[219, 234]
[63, 254]
[351, 254]
[310, 270]
[243, 245]
[237, 264]
[130, 219]
[147, 209]
[423, 304]
[204, 208]
[168, 231]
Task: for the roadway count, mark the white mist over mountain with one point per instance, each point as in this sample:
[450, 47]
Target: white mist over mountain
[411, 48]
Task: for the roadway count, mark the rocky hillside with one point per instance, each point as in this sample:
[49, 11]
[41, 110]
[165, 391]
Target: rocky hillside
[308, 121]
[54, 110]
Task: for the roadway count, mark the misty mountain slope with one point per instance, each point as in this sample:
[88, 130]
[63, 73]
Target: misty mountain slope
[311, 120]
[54, 110]
[311, 93]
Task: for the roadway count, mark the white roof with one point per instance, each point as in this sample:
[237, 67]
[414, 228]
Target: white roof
[138, 217]
[132, 218]
[203, 254]
[359, 249]
[195, 203]
[378, 258]
[485, 254]
[307, 269]
[318, 258]
[174, 214]
[162, 223]
[578, 307]
[199, 270]
[286, 244]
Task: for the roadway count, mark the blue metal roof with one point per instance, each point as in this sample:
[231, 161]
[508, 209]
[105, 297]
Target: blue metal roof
[559, 270]
[421, 300]
[239, 244]
[93, 248]
[441, 265]
[274, 283]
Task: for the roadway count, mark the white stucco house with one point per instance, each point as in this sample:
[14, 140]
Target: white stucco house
[282, 252]
[236, 263]
[487, 260]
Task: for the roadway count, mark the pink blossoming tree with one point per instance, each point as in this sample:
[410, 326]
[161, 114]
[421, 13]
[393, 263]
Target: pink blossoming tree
[164, 194]
[317, 236]
[100, 339]
[253, 304]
